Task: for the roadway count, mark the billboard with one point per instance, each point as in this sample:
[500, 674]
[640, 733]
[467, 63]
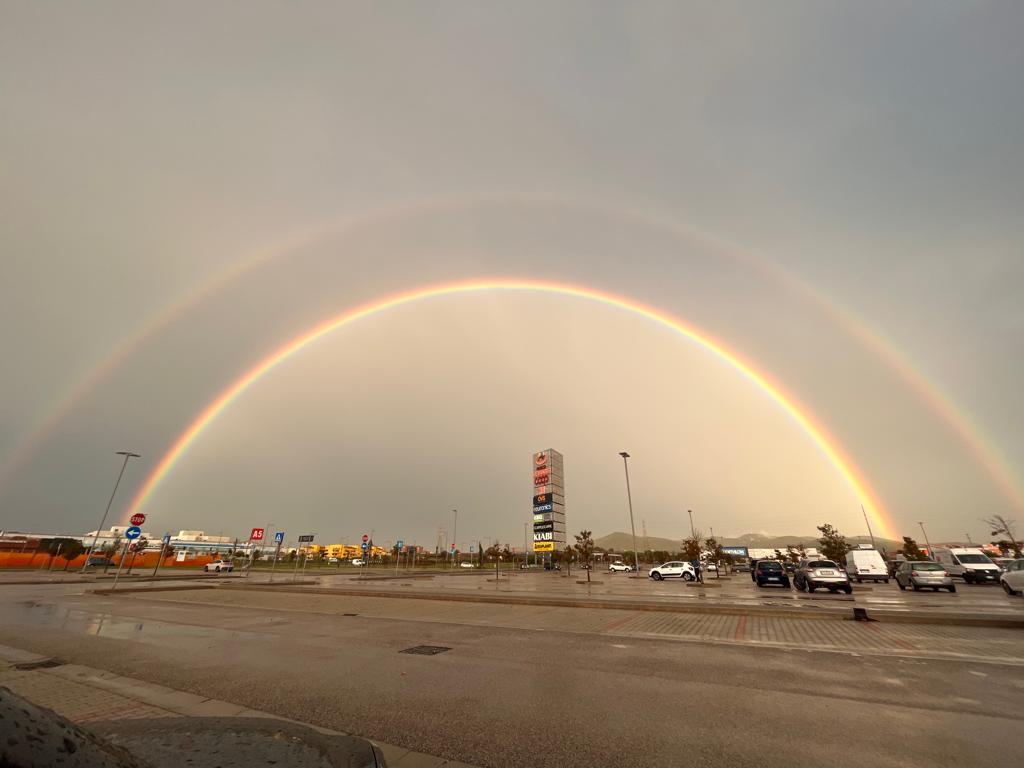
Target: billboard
[547, 468]
[735, 551]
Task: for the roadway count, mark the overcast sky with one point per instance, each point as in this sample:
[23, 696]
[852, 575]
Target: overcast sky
[703, 158]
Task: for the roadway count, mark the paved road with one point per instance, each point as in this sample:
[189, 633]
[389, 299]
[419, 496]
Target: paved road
[541, 696]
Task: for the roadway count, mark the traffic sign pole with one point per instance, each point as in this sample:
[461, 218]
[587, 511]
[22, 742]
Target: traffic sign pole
[277, 552]
[120, 562]
[163, 548]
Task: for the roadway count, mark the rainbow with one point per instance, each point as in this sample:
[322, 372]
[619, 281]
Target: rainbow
[799, 413]
[981, 448]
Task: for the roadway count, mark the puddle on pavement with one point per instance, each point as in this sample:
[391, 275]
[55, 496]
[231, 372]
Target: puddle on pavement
[99, 624]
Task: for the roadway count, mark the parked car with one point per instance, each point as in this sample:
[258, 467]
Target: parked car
[217, 566]
[790, 567]
[919, 574]
[753, 569]
[527, 566]
[770, 572]
[676, 569]
[357, 561]
[710, 567]
[552, 567]
[864, 563]
[969, 563]
[586, 566]
[817, 574]
[613, 567]
[466, 565]
[334, 560]
[1002, 562]
[99, 562]
[741, 566]
[1012, 578]
[893, 565]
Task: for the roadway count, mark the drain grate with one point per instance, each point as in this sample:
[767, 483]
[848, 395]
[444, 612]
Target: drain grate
[426, 650]
[350, 614]
[43, 664]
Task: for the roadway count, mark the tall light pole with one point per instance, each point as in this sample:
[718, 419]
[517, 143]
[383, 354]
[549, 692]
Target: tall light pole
[629, 498]
[455, 531]
[931, 554]
[127, 455]
[693, 531]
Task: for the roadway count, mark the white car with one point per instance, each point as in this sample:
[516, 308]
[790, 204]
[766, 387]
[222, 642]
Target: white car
[357, 561]
[466, 565]
[620, 567]
[676, 569]
[1012, 578]
[219, 565]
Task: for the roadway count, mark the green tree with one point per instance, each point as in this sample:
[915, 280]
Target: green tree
[692, 548]
[715, 555]
[910, 550]
[585, 548]
[833, 544]
[779, 556]
[1002, 527]
[69, 549]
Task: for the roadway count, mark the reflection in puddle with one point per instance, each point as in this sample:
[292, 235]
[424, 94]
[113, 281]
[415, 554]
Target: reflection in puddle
[101, 624]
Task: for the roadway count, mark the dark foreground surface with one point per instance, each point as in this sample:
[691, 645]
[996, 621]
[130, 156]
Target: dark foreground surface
[564, 692]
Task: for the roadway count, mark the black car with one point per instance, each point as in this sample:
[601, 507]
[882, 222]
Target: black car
[770, 573]
[99, 562]
[552, 567]
[741, 566]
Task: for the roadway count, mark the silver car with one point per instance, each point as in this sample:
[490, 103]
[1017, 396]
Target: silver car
[919, 575]
[821, 574]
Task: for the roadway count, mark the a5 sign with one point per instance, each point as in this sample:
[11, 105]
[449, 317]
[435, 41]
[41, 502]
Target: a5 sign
[256, 535]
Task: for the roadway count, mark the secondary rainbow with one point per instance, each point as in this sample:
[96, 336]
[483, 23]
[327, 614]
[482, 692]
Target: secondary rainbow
[799, 413]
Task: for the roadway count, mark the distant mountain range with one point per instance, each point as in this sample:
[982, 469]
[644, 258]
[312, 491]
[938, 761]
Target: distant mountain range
[622, 541]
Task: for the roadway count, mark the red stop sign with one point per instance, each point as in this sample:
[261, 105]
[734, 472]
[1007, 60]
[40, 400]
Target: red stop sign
[138, 518]
[365, 538]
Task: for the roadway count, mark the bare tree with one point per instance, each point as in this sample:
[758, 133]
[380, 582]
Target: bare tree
[1002, 527]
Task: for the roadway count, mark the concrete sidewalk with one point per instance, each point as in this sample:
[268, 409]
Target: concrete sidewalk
[87, 695]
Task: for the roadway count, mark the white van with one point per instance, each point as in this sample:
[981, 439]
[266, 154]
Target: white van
[865, 563]
[969, 563]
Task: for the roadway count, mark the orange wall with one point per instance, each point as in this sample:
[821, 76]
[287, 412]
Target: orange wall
[41, 560]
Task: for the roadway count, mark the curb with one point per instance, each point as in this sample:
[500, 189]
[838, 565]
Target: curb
[822, 614]
[192, 705]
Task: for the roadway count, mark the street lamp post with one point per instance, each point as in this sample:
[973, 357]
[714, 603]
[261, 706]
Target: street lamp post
[127, 455]
[927, 543]
[455, 532]
[693, 531]
[629, 498]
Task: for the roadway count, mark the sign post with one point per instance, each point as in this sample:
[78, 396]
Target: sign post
[398, 554]
[163, 548]
[304, 539]
[362, 568]
[279, 539]
[255, 535]
[130, 535]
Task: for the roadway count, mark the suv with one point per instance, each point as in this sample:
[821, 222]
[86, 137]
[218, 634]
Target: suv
[676, 569]
[219, 565]
[620, 567]
[813, 574]
[770, 572]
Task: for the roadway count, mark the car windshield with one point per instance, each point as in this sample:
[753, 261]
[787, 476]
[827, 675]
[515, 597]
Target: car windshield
[974, 559]
[822, 564]
[927, 567]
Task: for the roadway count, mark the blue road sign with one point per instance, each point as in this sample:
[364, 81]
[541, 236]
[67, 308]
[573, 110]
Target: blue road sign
[472, 549]
[132, 533]
[399, 543]
[365, 546]
[279, 537]
[167, 538]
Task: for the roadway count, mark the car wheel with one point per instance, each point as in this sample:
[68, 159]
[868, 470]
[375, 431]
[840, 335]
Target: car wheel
[886, 581]
[952, 588]
[968, 579]
[688, 576]
[1008, 589]
[914, 585]
[900, 585]
[656, 576]
[848, 590]
[810, 587]
[859, 581]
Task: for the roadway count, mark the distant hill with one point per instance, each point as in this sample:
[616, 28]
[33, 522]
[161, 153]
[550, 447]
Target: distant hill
[620, 541]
